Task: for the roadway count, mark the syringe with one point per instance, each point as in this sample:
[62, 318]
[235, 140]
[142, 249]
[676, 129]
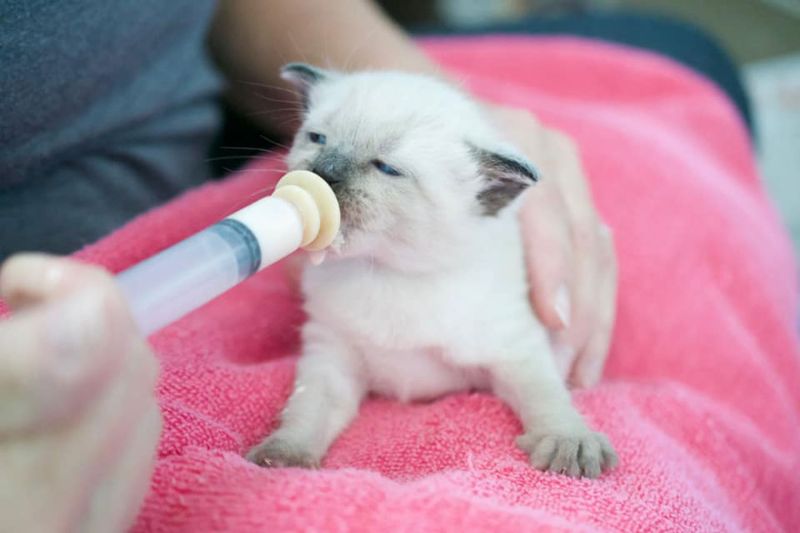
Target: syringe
[302, 212]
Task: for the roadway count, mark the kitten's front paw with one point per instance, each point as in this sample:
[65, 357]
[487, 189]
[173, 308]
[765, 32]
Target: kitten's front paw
[276, 452]
[583, 453]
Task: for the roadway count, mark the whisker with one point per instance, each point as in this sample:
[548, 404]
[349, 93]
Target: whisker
[357, 46]
[286, 121]
[263, 150]
[292, 113]
[258, 170]
[294, 110]
[266, 86]
[228, 157]
[296, 47]
[276, 143]
[295, 103]
[243, 202]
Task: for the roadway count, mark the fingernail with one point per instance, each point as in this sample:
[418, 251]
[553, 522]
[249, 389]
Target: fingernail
[77, 327]
[31, 271]
[562, 305]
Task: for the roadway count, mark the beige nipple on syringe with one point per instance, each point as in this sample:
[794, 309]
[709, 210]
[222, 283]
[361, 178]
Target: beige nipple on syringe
[302, 213]
[314, 199]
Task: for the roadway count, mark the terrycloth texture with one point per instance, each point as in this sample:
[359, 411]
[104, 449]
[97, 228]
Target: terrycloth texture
[702, 390]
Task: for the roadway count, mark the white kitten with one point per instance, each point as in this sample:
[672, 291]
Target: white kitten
[425, 292]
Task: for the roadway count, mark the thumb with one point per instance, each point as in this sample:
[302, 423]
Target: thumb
[548, 259]
[33, 278]
[63, 341]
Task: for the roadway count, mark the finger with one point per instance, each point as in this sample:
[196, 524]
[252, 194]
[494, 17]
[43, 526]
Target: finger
[571, 177]
[70, 335]
[584, 291]
[71, 460]
[548, 256]
[590, 362]
[52, 360]
[563, 353]
[66, 337]
[585, 287]
[123, 428]
[28, 279]
[115, 501]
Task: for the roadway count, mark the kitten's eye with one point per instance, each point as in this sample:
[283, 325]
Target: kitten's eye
[317, 138]
[387, 169]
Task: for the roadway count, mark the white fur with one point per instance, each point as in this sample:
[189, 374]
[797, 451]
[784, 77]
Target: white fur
[424, 296]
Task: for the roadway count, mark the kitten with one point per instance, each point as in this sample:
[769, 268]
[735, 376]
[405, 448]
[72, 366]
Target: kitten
[424, 292]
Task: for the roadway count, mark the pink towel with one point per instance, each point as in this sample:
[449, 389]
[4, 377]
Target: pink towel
[701, 396]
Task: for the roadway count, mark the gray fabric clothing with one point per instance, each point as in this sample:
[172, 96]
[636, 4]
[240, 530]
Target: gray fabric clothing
[107, 108]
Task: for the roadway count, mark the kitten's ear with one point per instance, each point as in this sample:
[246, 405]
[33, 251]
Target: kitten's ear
[303, 77]
[505, 175]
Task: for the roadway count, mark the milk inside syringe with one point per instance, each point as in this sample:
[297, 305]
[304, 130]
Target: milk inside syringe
[301, 213]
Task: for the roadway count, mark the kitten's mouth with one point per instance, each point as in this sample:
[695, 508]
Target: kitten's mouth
[346, 228]
[340, 243]
[351, 215]
[349, 209]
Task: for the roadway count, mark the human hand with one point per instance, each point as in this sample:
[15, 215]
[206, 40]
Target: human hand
[78, 418]
[570, 256]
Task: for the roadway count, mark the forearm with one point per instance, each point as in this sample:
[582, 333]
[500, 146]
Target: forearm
[251, 39]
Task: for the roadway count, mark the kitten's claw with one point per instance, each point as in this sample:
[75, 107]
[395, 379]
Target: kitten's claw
[277, 453]
[581, 454]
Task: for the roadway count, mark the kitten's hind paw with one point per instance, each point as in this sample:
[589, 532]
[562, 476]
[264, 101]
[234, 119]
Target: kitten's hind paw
[275, 452]
[581, 454]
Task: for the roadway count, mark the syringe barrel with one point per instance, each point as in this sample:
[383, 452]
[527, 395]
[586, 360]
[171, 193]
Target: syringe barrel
[194, 271]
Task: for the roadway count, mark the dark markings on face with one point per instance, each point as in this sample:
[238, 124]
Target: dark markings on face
[339, 171]
[333, 166]
[353, 205]
[504, 176]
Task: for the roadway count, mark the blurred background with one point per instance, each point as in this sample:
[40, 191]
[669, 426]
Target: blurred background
[762, 36]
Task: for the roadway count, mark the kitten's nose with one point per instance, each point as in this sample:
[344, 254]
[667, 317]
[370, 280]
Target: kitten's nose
[328, 174]
[332, 166]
